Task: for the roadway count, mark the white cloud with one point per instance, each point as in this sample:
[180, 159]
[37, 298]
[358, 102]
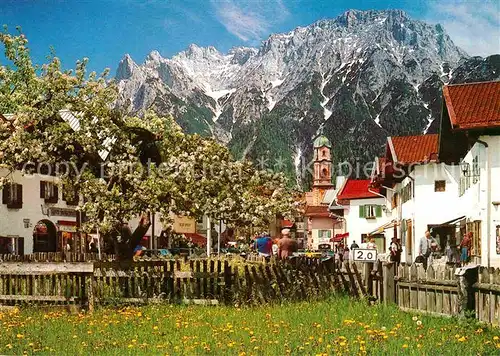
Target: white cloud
[472, 25]
[249, 20]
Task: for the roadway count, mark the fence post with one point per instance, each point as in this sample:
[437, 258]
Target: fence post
[90, 291]
[388, 282]
[367, 271]
[467, 276]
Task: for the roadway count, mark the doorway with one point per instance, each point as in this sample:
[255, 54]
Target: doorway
[45, 237]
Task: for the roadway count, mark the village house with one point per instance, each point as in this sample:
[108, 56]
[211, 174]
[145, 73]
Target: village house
[364, 211]
[418, 189]
[38, 215]
[470, 140]
[443, 183]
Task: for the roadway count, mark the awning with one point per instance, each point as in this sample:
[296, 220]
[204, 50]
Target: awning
[286, 224]
[197, 239]
[339, 237]
[451, 222]
[384, 227]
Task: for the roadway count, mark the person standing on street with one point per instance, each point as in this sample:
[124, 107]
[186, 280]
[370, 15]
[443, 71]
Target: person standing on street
[354, 245]
[395, 251]
[286, 245]
[424, 248]
[465, 247]
[264, 245]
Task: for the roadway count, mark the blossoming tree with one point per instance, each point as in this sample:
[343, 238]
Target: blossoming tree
[121, 166]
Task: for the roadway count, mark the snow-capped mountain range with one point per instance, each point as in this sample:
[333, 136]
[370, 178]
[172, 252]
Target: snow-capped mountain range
[360, 77]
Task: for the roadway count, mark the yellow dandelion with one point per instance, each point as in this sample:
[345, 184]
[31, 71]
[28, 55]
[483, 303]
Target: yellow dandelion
[462, 339]
[20, 336]
[405, 346]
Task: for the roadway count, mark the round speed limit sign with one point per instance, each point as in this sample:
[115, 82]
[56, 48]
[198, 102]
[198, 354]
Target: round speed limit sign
[364, 255]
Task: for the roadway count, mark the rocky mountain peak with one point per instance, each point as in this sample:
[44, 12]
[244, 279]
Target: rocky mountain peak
[154, 56]
[361, 76]
[125, 68]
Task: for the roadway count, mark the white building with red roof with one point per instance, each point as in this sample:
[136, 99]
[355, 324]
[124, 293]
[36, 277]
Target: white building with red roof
[470, 139]
[365, 210]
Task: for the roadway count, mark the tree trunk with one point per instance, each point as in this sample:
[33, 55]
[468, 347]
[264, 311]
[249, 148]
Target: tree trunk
[124, 248]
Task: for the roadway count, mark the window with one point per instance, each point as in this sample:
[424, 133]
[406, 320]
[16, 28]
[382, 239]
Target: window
[406, 193]
[464, 177]
[439, 185]
[12, 195]
[475, 170]
[370, 211]
[324, 235]
[394, 200]
[49, 192]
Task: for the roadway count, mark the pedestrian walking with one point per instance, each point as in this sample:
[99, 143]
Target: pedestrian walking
[424, 248]
[286, 245]
[395, 251]
[346, 254]
[263, 245]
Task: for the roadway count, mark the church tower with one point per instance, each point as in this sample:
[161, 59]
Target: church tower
[322, 163]
[322, 177]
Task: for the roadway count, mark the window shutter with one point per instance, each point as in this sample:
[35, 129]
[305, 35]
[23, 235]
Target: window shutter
[378, 211]
[42, 189]
[329, 234]
[56, 194]
[361, 211]
[19, 201]
[5, 193]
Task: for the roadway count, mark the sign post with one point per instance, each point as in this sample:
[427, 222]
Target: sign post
[364, 255]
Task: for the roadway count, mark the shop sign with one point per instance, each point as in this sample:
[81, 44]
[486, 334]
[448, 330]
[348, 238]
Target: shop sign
[184, 225]
[66, 228]
[62, 212]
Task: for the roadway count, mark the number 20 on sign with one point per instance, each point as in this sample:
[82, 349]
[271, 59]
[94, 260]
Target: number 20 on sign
[365, 255]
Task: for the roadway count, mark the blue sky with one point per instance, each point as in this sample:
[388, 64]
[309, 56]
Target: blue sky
[104, 30]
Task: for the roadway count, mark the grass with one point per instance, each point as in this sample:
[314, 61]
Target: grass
[335, 326]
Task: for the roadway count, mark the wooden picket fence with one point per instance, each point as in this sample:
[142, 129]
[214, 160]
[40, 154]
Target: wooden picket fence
[441, 290]
[487, 295]
[207, 281]
[433, 291]
[56, 257]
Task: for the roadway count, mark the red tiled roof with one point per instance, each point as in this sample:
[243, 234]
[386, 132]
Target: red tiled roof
[414, 149]
[318, 211]
[357, 189]
[474, 105]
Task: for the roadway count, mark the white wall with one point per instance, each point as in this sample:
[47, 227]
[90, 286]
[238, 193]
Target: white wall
[431, 207]
[477, 201]
[11, 220]
[357, 226]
